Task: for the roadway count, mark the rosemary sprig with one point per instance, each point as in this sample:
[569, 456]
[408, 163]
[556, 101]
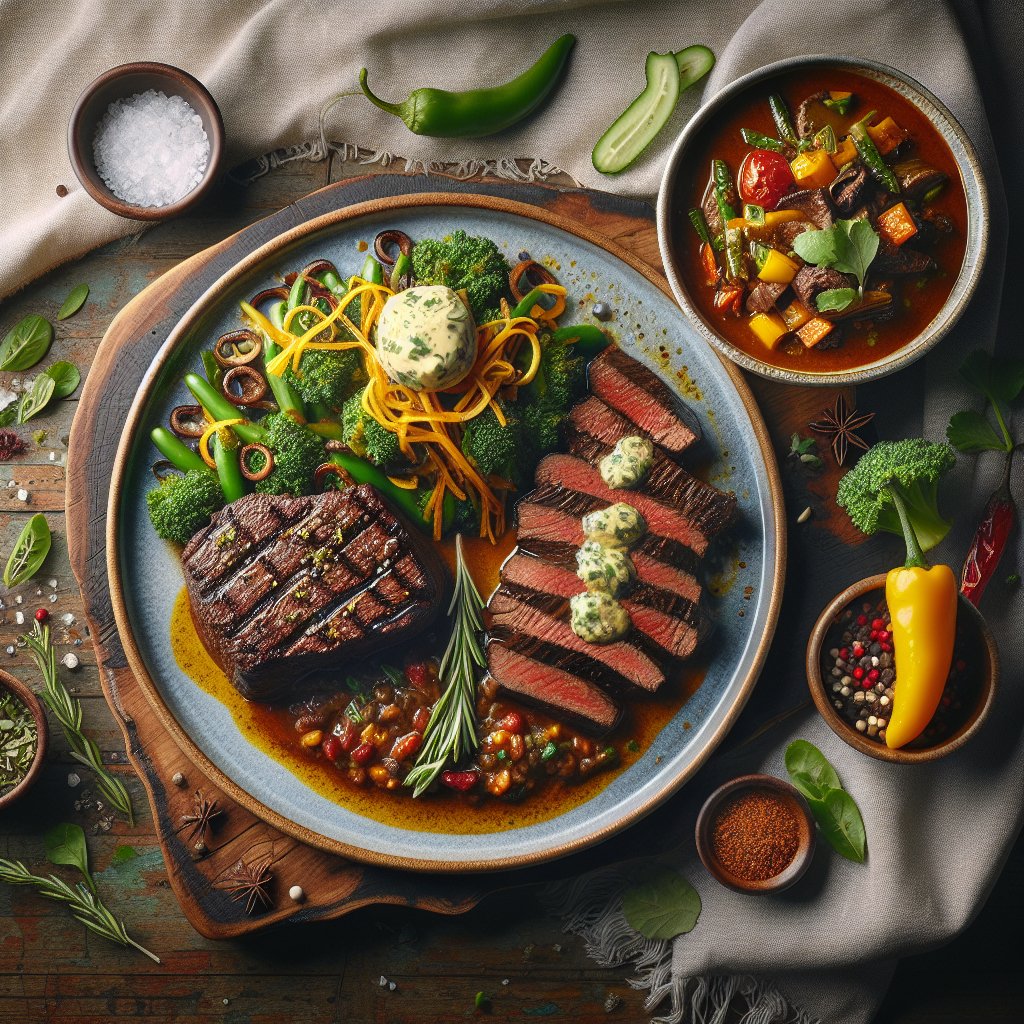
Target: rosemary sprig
[68, 711]
[85, 907]
[451, 731]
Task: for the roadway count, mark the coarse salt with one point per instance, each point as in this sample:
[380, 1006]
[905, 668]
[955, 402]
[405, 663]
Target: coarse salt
[151, 149]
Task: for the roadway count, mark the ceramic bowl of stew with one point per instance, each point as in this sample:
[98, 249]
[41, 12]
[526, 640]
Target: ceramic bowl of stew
[857, 152]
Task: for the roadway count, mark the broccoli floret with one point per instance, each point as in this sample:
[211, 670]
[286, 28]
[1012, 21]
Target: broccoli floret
[365, 436]
[297, 454]
[181, 505]
[543, 426]
[562, 376]
[464, 261]
[899, 472]
[326, 378]
[494, 448]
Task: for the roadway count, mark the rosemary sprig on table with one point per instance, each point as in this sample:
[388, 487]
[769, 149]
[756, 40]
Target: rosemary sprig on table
[451, 732]
[68, 711]
[85, 906]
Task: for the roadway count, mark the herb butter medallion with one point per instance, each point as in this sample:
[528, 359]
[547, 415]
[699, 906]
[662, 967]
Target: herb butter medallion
[597, 617]
[617, 526]
[609, 570]
[628, 462]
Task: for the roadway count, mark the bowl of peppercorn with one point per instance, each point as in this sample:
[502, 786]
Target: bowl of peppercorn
[23, 736]
[854, 678]
[755, 834]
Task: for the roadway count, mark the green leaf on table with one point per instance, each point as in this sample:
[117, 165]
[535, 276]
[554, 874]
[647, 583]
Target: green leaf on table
[37, 398]
[74, 302]
[123, 854]
[835, 300]
[970, 431]
[663, 906]
[30, 551]
[840, 822]
[66, 378]
[998, 378]
[849, 246]
[65, 844]
[810, 770]
[26, 343]
[9, 416]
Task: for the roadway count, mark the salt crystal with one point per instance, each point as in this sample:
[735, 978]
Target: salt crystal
[10, 649]
[52, 584]
[67, 619]
[19, 599]
[19, 618]
[53, 599]
[22, 494]
[70, 661]
[53, 456]
[151, 149]
[73, 779]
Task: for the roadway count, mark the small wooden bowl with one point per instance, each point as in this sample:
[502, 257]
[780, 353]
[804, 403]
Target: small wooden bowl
[128, 80]
[984, 645]
[751, 783]
[32, 702]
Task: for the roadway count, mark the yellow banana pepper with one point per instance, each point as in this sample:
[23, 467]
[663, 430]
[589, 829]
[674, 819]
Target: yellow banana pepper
[922, 604]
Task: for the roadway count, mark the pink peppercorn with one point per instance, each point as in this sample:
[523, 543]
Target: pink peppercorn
[42, 615]
[873, 675]
[862, 620]
[878, 623]
[858, 673]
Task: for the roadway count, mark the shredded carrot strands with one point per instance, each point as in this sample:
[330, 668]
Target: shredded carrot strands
[204, 441]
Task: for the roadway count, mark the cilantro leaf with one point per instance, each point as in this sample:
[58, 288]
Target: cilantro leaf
[849, 246]
[817, 247]
[836, 299]
[970, 431]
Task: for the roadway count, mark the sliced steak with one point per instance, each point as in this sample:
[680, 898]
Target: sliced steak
[555, 535]
[597, 418]
[692, 516]
[565, 695]
[620, 667]
[281, 588]
[763, 296]
[810, 282]
[642, 397]
[813, 203]
[900, 259]
[670, 622]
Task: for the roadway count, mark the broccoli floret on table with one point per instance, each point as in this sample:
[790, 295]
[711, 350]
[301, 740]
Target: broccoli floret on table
[297, 454]
[894, 473]
[365, 436]
[468, 262]
[326, 378]
[182, 505]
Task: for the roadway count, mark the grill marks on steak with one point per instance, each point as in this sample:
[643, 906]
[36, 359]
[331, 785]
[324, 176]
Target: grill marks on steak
[640, 395]
[284, 587]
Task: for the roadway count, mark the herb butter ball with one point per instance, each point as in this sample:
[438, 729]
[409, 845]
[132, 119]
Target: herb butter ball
[426, 338]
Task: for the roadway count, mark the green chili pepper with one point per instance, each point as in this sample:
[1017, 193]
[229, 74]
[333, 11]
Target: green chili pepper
[364, 472]
[450, 115]
[221, 409]
[734, 254]
[402, 267]
[868, 152]
[589, 339]
[700, 225]
[723, 182]
[783, 124]
[372, 271]
[229, 472]
[752, 138]
[275, 314]
[330, 280]
[753, 214]
[175, 451]
[287, 398]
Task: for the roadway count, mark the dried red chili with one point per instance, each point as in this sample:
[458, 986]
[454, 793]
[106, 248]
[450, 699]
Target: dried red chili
[755, 835]
[990, 538]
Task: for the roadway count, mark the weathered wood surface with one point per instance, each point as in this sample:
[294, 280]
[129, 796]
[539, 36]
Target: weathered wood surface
[50, 969]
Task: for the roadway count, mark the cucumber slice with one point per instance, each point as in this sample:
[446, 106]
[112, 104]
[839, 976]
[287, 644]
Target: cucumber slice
[634, 130]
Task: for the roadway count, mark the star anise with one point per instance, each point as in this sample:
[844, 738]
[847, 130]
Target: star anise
[840, 425]
[201, 818]
[249, 881]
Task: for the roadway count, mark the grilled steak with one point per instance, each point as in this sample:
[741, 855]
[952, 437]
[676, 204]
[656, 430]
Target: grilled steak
[281, 588]
[669, 623]
[565, 695]
[642, 397]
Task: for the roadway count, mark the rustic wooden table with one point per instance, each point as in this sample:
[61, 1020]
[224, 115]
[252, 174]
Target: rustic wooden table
[509, 948]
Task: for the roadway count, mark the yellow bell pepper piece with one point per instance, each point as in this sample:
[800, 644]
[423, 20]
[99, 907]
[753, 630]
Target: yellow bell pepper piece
[778, 268]
[813, 169]
[768, 328]
[845, 152]
[922, 602]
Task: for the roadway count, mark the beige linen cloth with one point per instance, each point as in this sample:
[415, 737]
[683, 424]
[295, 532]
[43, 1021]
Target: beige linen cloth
[937, 834]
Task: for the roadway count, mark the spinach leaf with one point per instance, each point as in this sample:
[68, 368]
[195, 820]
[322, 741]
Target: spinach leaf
[664, 906]
[810, 770]
[36, 400]
[836, 299]
[970, 431]
[26, 343]
[65, 844]
[840, 822]
[30, 551]
[74, 302]
[66, 378]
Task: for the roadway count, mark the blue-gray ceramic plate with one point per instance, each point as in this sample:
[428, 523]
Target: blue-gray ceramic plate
[145, 575]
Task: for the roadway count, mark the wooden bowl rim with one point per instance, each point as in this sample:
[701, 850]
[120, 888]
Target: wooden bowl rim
[850, 735]
[199, 97]
[796, 868]
[27, 696]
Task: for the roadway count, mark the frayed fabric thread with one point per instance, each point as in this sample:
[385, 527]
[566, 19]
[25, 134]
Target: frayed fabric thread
[509, 169]
[592, 908]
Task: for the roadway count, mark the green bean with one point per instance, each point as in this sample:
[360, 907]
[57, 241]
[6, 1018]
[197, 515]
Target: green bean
[590, 340]
[402, 267]
[752, 138]
[527, 302]
[868, 152]
[372, 271]
[287, 398]
[783, 124]
[275, 314]
[364, 472]
[734, 254]
[297, 294]
[177, 453]
[723, 182]
[229, 472]
[330, 280]
[221, 409]
[700, 225]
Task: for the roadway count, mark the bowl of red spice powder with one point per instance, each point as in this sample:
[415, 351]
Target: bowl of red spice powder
[756, 834]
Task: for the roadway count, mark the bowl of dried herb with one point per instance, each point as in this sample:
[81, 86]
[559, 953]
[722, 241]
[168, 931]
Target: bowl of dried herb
[23, 736]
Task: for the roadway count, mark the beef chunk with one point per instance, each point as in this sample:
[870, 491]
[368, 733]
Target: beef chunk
[899, 259]
[811, 281]
[763, 296]
[813, 203]
[850, 189]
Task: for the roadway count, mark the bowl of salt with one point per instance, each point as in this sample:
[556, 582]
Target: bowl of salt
[146, 140]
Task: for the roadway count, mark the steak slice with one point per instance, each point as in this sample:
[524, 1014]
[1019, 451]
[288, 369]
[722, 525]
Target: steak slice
[281, 588]
[620, 667]
[693, 515]
[565, 695]
[643, 398]
[669, 621]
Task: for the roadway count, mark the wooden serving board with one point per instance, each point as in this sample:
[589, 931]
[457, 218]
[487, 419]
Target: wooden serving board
[332, 885]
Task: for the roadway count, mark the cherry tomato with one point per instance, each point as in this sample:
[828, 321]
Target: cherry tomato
[764, 178]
